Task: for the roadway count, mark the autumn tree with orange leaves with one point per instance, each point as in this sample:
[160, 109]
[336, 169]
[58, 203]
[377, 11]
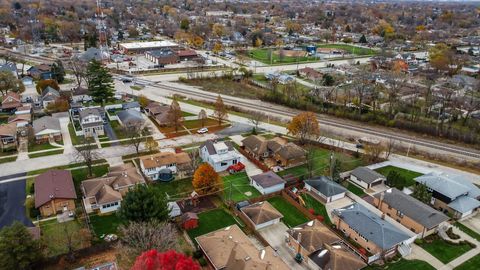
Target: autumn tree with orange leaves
[170, 260]
[304, 126]
[206, 180]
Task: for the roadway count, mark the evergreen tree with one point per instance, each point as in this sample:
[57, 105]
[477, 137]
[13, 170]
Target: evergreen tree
[421, 193]
[17, 248]
[328, 80]
[394, 179]
[362, 39]
[100, 82]
[144, 204]
[58, 71]
[120, 35]
[336, 169]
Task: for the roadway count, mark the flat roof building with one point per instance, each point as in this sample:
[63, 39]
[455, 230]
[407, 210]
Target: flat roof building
[141, 47]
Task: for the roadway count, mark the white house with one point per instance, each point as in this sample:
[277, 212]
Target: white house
[267, 182]
[92, 122]
[261, 214]
[366, 178]
[220, 155]
[325, 188]
[165, 165]
[47, 128]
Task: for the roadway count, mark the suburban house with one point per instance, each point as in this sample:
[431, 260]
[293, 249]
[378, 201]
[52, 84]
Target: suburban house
[310, 73]
[42, 71]
[452, 193]
[366, 178]
[165, 166]
[24, 109]
[261, 214]
[27, 80]
[410, 212]
[325, 188]
[91, 121]
[230, 248]
[9, 67]
[159, 112]
[80, 95]
[220, 155]
[8, 137]
[49, 95]
[376, 235]
[279, 149]
[105, 194]
[321, 246]
[131, 119]
[21, 120]
[11, 101]
[54, 192]
[134, 105]
[267, 182]
[47, 128]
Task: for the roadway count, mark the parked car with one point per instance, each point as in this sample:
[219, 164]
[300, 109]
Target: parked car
[235, 168]
[127, 80]
[202, 131]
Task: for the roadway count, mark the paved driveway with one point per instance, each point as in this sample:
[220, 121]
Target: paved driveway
[12, 199]
[235, 129]
[275, 236]
[110, 133]
[473, 222]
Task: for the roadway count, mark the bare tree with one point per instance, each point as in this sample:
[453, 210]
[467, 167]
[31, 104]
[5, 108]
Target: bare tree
[195, 158]
[136, 136]
[174, 115]
[86, 153]
[220, 110]
[362, 86]
[202, 116]
[79, 69]
[389, 147]
[310, 159]
[256, 117]
[395, 81]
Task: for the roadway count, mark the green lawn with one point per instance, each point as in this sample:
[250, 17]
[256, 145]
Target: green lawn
[38, 147]
[105, 224]
[176, 188]
[9, 159]
[118, 129]
[312, 203]
[472, 264]
[291, 216]
[75, 140]
[211, 221]
[403, 264]
[407, 174]
[54, 237]
[48, 153]
[468, 231]
[185, 114]
[354, 189]
[241, 189]
[321, 161]
[443, 250]
[81, 174]
[349, 48]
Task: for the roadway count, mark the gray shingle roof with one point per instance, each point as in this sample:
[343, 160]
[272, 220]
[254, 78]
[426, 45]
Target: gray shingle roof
[464, 204]
[267, 179]
[325, 186]
[450, 186]
[413, 208]
[367, 175]
[210, 145]
[130, 117]
[371, 226]
[46, 122]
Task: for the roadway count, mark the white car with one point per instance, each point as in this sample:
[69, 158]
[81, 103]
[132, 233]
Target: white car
[202, 131]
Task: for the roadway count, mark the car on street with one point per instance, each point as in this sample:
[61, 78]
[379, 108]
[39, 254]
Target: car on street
[202, 131]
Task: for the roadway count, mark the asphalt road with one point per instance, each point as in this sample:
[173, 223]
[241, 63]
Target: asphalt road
[12, 200]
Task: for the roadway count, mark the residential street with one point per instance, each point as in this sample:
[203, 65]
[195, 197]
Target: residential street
[12, 200]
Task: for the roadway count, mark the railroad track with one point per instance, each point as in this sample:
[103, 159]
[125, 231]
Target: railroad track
[291, 112]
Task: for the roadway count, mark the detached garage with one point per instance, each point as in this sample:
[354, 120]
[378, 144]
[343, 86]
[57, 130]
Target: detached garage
[366, 178]
[261, 214]
[326, 188]
[267, 182]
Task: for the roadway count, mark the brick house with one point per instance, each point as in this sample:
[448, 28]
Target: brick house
[54, 192]
[47, 128]
[8, 137]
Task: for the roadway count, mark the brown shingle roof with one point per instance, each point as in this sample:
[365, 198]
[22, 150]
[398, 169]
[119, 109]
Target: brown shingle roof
[267, 179]
[8, 129]
[261, 212]
[291, 151]
[314, 235]
[54, 184]
[230, 248]
[165, 158]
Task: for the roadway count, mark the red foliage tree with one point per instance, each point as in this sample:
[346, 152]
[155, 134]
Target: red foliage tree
[311, 211]
[320, 218]
[170, 260]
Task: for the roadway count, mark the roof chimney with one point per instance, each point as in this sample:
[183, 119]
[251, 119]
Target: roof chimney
[383, 216]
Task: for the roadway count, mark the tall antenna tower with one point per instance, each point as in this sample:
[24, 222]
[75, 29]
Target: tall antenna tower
[102, 32]
[34, 22]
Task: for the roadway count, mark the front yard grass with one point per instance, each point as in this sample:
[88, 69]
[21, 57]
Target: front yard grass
[472, 264]
[75, 139]
[211, 221]
[8, 159]
[291, 216]
[443, 250]
[318, 207]
[403, 264]
[33, 147]
[175, 189]
[82, 174]
[118, 129]
[467, 230]
[237, 187]
[47, 153]
[407, 174]
[354, 189]
[55, 238]
[105, 224]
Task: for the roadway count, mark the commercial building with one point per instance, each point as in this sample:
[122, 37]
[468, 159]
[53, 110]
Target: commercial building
[141, 47]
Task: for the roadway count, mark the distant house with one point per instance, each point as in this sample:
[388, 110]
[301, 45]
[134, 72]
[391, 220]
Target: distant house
[267, 182]
[325, 188]
[27, 81]
[49, 95]
[80, 95]
[284, 153]
[47, 128]
[131, 119]
[25, 109]
[373, 233]
[310, 73]
[54, 192]
[42, 72]
[105, 194]
[9, 67]
[131, 106]
[159, 112]
[321, 246]
[21, 120]
[452, 193]
[366, 178]
[410, 212]
[165, 166]
[11, 101]
[261, 214]
[189, 221]
[220, 155]
[91, 121]
[8, 137]
[229, 248]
